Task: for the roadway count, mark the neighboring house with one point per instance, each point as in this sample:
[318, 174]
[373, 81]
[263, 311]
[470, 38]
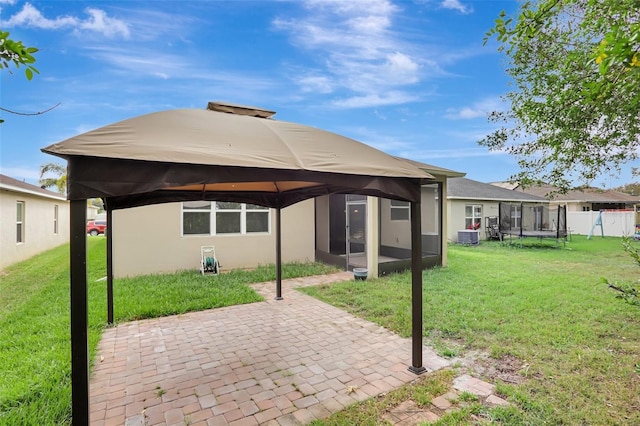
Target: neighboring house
[470, 203]
[346, 230]
[92, 212]
[32, 220]
[580, 200]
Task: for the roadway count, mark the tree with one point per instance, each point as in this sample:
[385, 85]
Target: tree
[59, 179]
[14, 52]
[574, 110]
[629, 188]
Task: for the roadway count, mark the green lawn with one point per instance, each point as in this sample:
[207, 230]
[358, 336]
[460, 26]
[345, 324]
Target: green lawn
[576, 344]
[35, 387]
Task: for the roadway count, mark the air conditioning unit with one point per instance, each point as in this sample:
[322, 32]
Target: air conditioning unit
[469, 236]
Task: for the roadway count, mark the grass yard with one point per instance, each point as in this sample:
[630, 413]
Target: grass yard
[572, 346]
[35, 378]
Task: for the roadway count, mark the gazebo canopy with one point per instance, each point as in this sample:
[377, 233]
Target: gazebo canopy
[227, 153]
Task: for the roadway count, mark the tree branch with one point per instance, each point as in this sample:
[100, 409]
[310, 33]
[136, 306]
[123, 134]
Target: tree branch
[30, 113]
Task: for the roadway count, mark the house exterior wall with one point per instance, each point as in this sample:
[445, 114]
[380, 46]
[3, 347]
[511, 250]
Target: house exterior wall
[393, 233]
[456, 216]
[38, 225]
[572, 206]
[397, 233]
[148, 240]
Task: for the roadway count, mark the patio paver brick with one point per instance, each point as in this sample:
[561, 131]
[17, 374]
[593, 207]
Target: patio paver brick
[273, 362]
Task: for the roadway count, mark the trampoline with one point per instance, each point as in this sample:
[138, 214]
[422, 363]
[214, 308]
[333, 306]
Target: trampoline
[528, 219]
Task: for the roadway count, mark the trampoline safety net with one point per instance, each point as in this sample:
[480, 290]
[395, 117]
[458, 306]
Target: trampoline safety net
[533, 220]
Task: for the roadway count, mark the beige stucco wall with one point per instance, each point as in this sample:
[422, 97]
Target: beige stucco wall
[456, 216]
[149, 240]
[398, 233]
[38, 226]
[429, 210]
[393, 233]
[572, 206]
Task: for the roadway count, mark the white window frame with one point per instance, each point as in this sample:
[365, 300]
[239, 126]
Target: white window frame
[400, 207]
[55, 219]
[516, 219]
[20, 220]
[473, 216]
[243, 210]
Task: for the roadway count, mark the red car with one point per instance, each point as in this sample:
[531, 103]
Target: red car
[96, 227]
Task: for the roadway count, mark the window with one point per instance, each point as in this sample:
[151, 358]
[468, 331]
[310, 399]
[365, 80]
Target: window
[516, 216]
[227, 218]
[55, 219]
[472, 216]
[20, 222]
[196, 217]
[400, 210]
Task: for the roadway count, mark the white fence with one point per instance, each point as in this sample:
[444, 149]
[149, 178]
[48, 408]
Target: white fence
[615, 223]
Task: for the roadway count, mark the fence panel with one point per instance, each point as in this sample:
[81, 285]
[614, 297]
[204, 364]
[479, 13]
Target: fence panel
[615, 223]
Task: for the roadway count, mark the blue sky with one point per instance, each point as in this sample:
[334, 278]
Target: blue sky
[409, 77]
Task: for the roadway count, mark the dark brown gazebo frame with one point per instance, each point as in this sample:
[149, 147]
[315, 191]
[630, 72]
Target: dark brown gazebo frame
[230, 153]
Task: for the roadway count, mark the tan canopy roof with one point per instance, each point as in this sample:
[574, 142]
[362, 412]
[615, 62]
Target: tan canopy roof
[202, 154]
[231, 154]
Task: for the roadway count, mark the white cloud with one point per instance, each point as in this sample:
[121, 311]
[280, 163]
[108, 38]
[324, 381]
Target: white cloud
[141, 61]
[9, 2]
[430, 154]
[98, 22]
[374, 137]
[375, 99]
[359, 51]
[402, 67]
[315, 84]
[476, 110]
[29, 16]
[376, 7]
[456, 5]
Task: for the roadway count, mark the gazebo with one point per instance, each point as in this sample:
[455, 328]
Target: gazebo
[225, 153]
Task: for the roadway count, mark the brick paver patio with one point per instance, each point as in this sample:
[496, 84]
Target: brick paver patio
[274, 362]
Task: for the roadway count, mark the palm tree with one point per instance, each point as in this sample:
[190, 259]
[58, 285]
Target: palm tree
[59, 180]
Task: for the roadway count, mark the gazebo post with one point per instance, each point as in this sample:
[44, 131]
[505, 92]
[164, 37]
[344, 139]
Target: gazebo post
[416, 290]
[79, 314]
[278, 255]
[109, 265]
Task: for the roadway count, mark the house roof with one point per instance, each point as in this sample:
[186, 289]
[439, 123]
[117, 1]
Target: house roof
[15, 185]
[463, 188]
[506, 185]
[586, 195]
